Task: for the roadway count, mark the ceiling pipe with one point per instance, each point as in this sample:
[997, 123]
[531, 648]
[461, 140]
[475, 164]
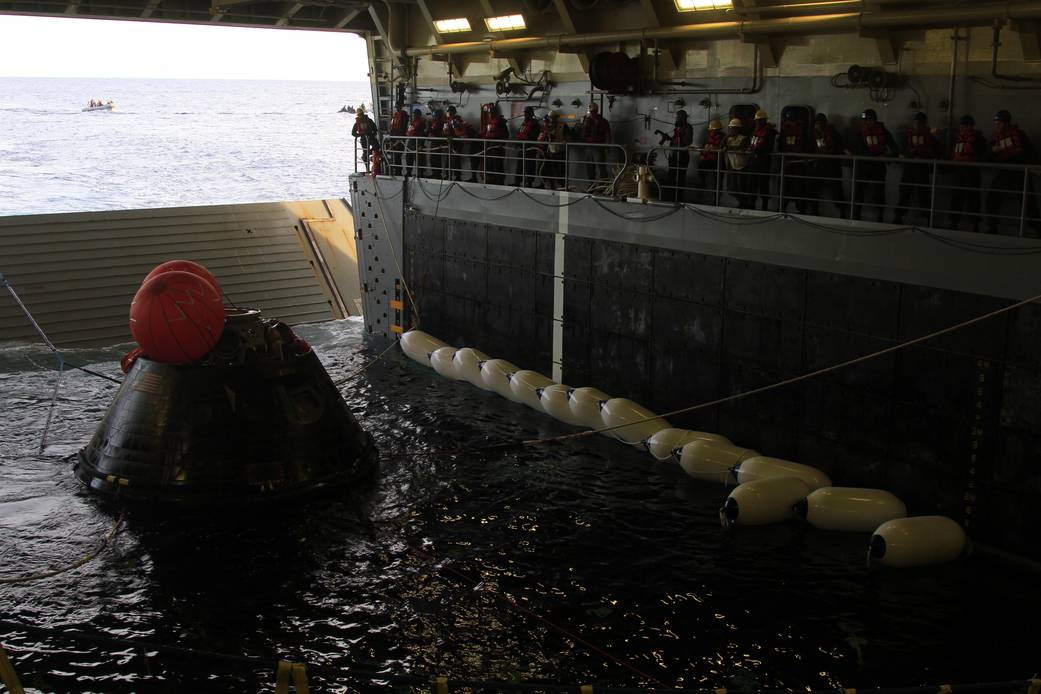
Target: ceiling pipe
[815, 6]
[832, 23]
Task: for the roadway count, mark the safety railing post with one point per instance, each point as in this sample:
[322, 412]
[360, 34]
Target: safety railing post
[449, 152]
[932, 194]
[853, 192]
[1023, 205]
[719, 176]
[355, 155]
[524, 166]
[567, 166]
[780, 187]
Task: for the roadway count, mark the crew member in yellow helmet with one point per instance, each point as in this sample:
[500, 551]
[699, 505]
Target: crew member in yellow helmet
[366, 135]
[738, 156]
[707, 182]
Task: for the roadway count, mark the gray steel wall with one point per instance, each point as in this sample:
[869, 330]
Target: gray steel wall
[842, 106]
[683, 310]
[78, 272]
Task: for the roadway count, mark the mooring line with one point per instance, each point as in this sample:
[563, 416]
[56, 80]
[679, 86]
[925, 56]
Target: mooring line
[794, 379]
[106, 540]
[511, 445]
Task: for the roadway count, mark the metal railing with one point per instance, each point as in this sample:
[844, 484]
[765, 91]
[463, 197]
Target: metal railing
[525, 164]
[995, 198]
[988, 197]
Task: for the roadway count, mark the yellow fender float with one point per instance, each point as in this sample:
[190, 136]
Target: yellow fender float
[467, 362]
[526, 387]
[917, 541]
[496, 375]
[585, 406]
[850, 509]
[713, 461]
[643, 423]
[768, 500]
[418, 346]
[666, 444]
[556, 402]
[763, 466]
[443, 361]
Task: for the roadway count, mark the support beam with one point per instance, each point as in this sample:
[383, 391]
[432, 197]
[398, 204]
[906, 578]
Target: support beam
[513, 60]
[670, 60]
[293, 9]
[425, 10]
[381, 30]
[1029, 39]
[511, 57]
[569, 28]
[770, 49]
[888, 44]
[770, 53]
[747, 8]
[347, 17]
[219, 5]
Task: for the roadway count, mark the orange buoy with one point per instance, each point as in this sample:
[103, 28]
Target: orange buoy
[185, 266]
[176, 317]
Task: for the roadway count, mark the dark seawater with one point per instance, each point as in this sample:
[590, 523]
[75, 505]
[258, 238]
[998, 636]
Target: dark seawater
[171, 143]
[594, 538]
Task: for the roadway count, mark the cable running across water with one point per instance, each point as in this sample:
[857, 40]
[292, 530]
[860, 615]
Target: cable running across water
[788, 381]
[89, 556]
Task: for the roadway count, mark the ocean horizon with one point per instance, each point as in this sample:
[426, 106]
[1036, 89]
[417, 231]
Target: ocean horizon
[171, 142]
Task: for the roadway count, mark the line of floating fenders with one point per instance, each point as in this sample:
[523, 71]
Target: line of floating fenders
[769, 490]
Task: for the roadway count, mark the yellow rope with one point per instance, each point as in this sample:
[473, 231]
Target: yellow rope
[8, 676]
[789, 381]
[105, 542]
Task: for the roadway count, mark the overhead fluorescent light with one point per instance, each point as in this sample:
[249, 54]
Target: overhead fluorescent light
[509, 22]
[452, 26]
[693, 5]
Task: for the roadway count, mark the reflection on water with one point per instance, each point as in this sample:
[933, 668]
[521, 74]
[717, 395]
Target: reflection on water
[582, 563]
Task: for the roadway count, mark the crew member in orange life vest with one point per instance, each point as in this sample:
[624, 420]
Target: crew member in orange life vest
[596, 131]
[827, 173]
[417, 127]
[528, 132]
[762, 144]
[1009, 145]
[919, 143]
[708, 162]
[494, 152]
[395, 148]
[794, 142]
[874, 141]
[970, 147]
[366, 133]
[377, 160]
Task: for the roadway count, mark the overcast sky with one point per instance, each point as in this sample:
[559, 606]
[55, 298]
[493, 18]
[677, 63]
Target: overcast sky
[60, 47]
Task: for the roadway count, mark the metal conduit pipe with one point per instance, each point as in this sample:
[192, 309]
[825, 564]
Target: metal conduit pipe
[840, 22]
[818, 6]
